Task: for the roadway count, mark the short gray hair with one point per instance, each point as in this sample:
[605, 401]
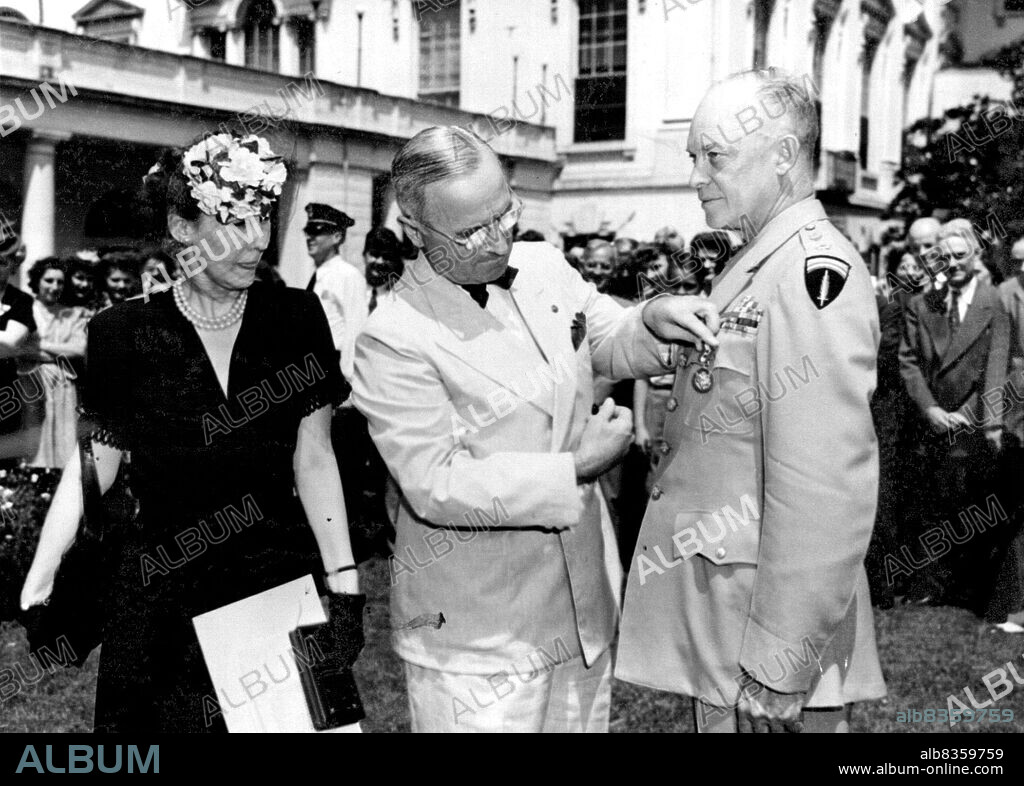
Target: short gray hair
[961, 228]
[432, 156]
[782, 87]
[597, 244]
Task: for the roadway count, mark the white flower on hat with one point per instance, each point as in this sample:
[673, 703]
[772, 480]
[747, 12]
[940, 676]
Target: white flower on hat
[243, 167]
[245, 210]
[209, 196]
[275, 177]
[234, 179]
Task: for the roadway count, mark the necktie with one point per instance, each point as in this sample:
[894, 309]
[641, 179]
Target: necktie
[312, 282]
[479, 291]
[373, 300]
[954, 310]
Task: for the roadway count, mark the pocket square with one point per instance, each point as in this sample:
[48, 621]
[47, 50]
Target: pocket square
[578, 331]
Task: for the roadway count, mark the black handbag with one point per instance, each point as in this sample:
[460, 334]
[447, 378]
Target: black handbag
[325, 653]
[69, 626]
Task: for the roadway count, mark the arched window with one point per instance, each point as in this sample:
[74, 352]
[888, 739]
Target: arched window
[10, 13]
[262, 46]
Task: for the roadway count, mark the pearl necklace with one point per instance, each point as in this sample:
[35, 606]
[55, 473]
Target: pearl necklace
[230, 317]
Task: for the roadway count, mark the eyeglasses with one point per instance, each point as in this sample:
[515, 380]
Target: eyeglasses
[478, 237]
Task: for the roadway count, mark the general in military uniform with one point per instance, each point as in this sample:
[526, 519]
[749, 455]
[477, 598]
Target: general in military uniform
[747, 589]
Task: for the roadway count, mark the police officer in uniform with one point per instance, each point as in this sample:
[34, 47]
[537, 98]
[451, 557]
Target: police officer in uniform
[747, 590]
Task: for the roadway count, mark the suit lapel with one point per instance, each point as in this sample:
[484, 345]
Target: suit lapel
[976, 320]
[474, 337]
[551, 331]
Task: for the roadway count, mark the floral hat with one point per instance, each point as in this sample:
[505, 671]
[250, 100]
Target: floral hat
[234, 179]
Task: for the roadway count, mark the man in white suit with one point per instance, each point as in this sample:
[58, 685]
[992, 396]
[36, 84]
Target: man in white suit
[476, 378]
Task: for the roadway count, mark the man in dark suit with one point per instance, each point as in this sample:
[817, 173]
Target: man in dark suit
[954, 358]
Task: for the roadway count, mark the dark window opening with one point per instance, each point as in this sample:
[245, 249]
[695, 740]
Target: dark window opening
[305, 38]
[262, 47]
[600, 100]
[440, 53]
[217, 41]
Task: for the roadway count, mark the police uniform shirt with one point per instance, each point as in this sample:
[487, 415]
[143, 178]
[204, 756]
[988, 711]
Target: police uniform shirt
[342, 291]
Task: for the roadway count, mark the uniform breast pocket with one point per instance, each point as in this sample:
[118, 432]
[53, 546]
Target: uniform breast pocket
[732, 402]
[724, 536]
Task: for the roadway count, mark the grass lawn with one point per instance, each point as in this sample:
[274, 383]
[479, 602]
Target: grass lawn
[927, 654]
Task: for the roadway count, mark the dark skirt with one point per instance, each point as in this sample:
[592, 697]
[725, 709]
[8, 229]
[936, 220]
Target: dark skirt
[152, 676]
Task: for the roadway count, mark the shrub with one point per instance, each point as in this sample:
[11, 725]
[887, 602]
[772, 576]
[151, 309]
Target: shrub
[25, 495]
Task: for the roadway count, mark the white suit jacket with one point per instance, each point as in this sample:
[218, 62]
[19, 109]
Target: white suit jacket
[478, 430]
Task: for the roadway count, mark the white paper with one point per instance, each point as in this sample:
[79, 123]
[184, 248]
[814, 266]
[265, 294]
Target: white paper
[250, 659]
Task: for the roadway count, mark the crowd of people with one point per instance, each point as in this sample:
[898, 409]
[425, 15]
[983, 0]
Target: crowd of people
[947, 412]
[44, 341]
[189, 380]
[45, 336]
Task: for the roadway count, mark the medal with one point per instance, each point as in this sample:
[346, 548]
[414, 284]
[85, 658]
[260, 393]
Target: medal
[703, 381]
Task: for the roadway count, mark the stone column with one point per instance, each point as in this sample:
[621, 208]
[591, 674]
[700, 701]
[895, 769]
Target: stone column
[200, 44]
[234, 46]
[39, 204]
[289, 47]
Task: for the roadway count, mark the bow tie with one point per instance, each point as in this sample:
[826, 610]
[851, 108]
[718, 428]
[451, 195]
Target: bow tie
[479, 291]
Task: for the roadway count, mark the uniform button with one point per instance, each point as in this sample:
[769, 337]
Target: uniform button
[665, 448]
[720, 553]
[810, 227]
[672, 404]
[656, 493]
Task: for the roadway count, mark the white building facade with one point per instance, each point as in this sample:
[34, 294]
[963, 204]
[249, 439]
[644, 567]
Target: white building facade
[588, 101]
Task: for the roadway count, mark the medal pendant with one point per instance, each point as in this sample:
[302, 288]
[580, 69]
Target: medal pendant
[702, 380]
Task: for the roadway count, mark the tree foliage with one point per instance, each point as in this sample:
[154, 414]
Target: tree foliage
[969, 162]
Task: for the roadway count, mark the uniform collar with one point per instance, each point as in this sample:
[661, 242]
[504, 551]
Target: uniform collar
[737, 274]
[331, 261]
[806, 212]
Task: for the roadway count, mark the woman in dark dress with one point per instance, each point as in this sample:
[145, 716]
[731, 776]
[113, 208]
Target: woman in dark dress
[221, 390]
[17, 324]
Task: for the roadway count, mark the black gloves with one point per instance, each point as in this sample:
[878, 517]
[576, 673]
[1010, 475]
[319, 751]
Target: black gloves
[341, 638]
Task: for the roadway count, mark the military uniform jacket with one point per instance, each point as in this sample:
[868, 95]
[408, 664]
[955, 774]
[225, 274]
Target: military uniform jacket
[478, 429]
[750, 558]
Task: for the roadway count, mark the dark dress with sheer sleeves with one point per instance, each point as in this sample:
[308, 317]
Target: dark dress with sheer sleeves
[218, 516]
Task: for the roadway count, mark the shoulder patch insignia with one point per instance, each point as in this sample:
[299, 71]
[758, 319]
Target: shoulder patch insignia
[825, 276]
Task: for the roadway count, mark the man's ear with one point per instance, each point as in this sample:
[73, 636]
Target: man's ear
[411, 231]
[787, 153]
[179, 229]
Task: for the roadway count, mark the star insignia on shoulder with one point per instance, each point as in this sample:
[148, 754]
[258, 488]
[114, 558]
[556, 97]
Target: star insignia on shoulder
[825, 276]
